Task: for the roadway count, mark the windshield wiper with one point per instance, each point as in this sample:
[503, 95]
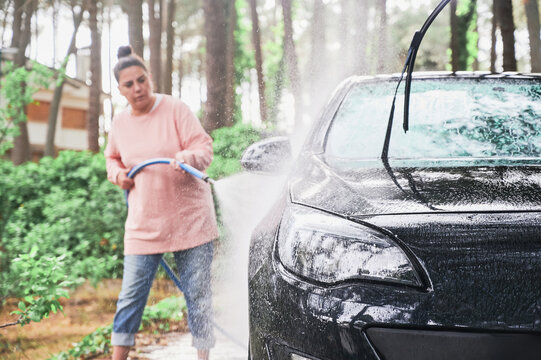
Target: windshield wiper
[408, 66]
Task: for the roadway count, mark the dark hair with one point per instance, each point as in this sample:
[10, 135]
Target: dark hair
[126, 58]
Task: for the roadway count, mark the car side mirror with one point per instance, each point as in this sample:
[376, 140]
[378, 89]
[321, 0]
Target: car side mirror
[267, 156]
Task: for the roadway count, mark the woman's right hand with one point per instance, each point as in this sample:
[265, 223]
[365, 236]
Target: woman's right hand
[123, 180]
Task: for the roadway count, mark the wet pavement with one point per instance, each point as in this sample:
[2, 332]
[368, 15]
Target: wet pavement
[179, 347]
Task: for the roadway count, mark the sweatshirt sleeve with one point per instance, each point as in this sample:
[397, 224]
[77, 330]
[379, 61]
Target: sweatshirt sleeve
[113, 160]
[195, 142]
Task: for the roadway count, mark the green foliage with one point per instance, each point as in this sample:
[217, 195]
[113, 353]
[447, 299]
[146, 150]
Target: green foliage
[18, 87]
[44, 281]
[96, 343]
[171, 308]
[60, 221]
[229, 145]
[99, 342]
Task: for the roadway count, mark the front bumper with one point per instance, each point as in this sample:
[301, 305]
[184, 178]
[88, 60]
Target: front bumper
[293, 320]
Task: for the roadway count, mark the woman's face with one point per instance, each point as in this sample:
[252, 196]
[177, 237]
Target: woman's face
[135, 85]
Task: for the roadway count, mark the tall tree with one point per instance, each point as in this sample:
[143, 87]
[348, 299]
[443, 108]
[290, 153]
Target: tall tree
[463, 34]
[231, 16]
[215, 34]
[155, 9]
[134, 10]
[504, 15]
[292, 62]
[94, 104]
[57, 95]
[256, 41]
[170, 44]
[493, 38]
[532, 16]
[23, 12]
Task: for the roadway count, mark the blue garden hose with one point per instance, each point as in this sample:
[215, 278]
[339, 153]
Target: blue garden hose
[189, 169]
[200, 175]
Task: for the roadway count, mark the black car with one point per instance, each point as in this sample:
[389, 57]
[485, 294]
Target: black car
[432, 251]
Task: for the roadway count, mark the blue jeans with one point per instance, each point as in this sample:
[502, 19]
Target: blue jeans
[194, 271]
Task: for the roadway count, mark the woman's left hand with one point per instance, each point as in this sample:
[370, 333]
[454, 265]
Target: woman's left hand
[175, 165]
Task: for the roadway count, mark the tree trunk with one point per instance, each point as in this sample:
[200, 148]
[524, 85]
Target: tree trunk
[230, 62]
[532, 15]
[292, 62]
[463, 34]
[21, 151]
[134, 9]
[455, 50]
[382, 32]
[170, 39]
[256, 39]
[493, 38]
[57, 96]
[215, 33]
[18, 11]
[504, 11]
[94, 105]
[155, 42]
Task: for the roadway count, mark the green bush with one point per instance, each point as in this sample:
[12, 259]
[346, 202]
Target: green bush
[229, 144]
[60, 221]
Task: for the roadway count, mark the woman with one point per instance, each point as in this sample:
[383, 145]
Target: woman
[169, 210]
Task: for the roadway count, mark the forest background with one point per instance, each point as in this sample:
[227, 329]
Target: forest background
[248, 68]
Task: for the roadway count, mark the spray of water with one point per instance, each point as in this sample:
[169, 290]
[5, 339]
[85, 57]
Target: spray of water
[243, 199]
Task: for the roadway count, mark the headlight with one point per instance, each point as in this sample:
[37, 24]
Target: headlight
[329, 249]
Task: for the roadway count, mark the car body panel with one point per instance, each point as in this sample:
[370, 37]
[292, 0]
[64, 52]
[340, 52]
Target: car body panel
[470, 226]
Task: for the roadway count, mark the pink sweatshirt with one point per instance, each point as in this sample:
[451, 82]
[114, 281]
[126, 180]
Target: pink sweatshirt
[168, 210]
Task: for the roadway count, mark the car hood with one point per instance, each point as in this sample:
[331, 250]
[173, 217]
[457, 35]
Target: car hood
[374, 188]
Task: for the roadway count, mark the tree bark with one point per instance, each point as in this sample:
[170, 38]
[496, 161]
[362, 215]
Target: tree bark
[454, 37]
[155, 42]
[170, 40]
[504, 16]
[230, 62]
[256, 40]
[134, 10]
[57, 96]
[94, 104]
[493, 38]
[215, 33]
[292, 62]
[18, 11]
[532, 16]
[21, 151]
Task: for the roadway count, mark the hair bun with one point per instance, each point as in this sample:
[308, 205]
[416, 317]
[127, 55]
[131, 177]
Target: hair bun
[124, 51]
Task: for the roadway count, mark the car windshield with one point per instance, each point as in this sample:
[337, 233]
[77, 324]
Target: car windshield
[449, 118]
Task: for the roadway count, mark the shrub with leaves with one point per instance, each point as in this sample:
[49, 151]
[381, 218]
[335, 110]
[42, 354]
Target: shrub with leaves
[18, 87]
[62, 217]
[229, 145]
